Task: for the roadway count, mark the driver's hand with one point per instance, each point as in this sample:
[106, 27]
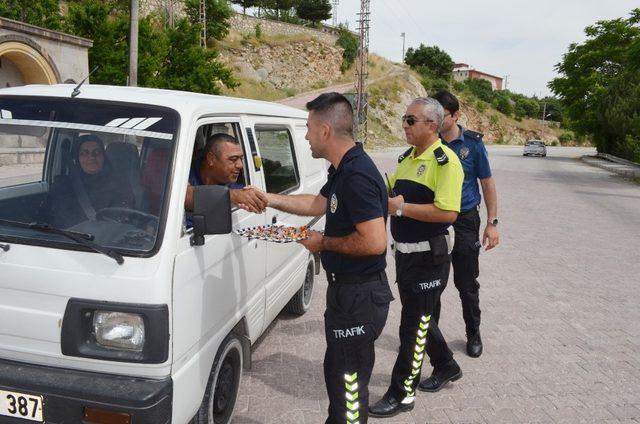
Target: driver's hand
[249, 198]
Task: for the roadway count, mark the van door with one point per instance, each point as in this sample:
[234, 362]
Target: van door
[286, 262]
[217, 284]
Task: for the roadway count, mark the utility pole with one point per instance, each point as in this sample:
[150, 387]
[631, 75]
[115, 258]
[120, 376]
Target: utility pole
[403, 38]
[203, 23]
[335, 13]
[362, 72]
[171, 13]
[133, 43]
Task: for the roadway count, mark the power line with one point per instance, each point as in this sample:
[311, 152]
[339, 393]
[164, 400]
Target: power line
[409, 14]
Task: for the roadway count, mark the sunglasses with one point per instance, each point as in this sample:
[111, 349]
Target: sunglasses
[411, 120]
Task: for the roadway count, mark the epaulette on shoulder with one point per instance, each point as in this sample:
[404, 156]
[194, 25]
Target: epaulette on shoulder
[405, 154]
[441, 156]
[474, 135]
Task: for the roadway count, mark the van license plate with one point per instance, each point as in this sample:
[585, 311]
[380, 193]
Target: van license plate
[21, 405]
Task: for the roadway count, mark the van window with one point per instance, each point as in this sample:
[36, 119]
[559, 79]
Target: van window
[230, 128]
[95, 168]
[278, 159]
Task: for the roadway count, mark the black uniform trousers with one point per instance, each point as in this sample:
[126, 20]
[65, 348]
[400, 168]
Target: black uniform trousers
[357, 309]
[464, 258]
[420, 282]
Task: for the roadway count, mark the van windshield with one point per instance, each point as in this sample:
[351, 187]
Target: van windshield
[95, 168]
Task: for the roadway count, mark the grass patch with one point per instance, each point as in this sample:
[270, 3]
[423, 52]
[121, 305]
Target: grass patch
[250, 89]
[237, 40]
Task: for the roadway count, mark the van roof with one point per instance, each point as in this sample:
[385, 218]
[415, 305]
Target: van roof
[178, 100]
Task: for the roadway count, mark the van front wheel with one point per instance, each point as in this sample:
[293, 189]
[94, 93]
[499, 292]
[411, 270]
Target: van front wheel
[224, 382]
[301, 301]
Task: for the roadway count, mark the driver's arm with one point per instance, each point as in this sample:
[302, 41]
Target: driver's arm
[188, 200]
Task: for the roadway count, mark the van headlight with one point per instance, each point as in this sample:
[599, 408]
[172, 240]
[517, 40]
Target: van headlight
[118, 330]
[112, 331]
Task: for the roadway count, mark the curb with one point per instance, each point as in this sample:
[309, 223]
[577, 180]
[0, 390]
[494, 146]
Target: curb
[619, 166]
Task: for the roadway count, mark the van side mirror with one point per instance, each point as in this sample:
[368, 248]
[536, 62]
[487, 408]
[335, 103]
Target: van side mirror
[211, 212]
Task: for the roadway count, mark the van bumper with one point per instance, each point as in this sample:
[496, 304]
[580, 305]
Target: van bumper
[67, 392]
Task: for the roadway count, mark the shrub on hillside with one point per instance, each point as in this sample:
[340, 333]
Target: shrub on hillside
[349, 42]
[503, 103]
[432, 85]
[457, 85]
[480, 88]
[565, 138]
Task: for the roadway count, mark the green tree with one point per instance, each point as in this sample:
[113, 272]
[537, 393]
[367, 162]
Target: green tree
[313, 10]
[596, 76]
[480, 88]
[167, 58]
[246, 4]
[278, 6]
[42, 13]
[430, 61]
[524, 106]
[349, 42]
[552, 107]
[218, 13]
[619, 116]
[187, 66]
[502, 102]
[105, 24]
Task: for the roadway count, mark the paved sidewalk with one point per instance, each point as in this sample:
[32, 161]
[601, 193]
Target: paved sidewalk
[561, 314]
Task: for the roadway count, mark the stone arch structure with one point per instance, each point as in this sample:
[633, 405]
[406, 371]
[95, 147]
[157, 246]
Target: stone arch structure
[34, 55]
[34, 65]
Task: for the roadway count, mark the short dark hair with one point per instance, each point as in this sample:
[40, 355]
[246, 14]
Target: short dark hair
[214, 141]
[447, 100]
[336, 110]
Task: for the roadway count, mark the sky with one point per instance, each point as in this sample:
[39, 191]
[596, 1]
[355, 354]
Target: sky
[518, 38]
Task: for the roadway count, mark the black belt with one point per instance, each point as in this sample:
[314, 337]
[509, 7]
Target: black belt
[334, 278]
[473, 210]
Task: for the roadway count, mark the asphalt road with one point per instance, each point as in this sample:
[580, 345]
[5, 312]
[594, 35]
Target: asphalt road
[561, 315]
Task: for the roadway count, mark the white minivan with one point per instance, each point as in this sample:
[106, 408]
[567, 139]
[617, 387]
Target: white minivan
[123, 313]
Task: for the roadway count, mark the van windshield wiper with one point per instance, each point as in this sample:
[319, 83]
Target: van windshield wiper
[81, 238]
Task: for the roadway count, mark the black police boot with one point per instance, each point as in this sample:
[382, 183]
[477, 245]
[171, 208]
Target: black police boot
[441, 376]
[474, 345]
[389, 406]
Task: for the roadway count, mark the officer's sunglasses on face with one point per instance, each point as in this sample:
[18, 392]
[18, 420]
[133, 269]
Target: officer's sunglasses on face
[411, 120]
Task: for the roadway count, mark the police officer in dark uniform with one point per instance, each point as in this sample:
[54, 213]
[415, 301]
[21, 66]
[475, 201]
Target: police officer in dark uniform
[352, 248]
[425, 200]
[473, 155]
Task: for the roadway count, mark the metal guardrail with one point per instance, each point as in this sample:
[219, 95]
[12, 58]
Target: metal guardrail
[617, 159]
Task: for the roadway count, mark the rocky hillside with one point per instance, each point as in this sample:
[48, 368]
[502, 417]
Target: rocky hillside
[274, 67]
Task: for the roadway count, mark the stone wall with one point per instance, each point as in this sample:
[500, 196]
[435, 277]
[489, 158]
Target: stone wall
[294, 65]
[246, 24]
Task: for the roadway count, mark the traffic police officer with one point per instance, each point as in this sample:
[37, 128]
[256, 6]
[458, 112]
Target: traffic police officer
[425, 190]
[468, 146]
[352, 248]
